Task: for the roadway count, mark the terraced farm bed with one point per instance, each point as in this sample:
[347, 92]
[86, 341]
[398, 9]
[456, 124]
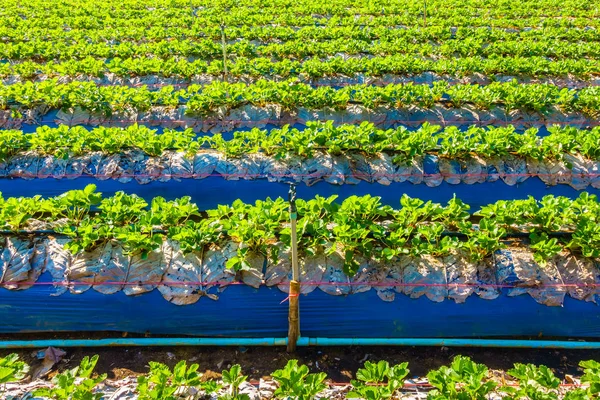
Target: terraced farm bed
[447, 161]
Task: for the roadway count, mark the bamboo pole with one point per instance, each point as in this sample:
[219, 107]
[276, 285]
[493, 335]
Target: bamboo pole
[224, 47]
[294, 300]
[293, 316]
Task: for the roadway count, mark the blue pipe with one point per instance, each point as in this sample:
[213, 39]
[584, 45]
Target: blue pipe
[303, 341]
[506, 343]
[19, 344]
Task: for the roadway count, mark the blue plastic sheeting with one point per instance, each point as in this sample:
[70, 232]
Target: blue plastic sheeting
[209, 192]
[49, 120]
[246, 312]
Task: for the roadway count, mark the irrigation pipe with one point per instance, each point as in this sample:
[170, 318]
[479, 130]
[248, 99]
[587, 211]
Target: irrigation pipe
[303, 342]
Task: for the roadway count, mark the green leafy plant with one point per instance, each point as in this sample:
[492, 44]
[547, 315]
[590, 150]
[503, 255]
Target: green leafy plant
[378, 381]
[463, 380]
[234, 378]
[535, 383]
[162, 384]
[11, 370]
[64, 142]
[75, 384]
[358, 227]
[545, 247]
[295, 382]
[591, 376]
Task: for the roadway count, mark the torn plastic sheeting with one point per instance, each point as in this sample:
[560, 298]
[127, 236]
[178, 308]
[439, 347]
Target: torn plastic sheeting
[180, 278]
[16, 262]
[252, 116]
[212, 191]
[155, 82]
[336, 170]
[243, 311]
[181, 275]
[183, 279]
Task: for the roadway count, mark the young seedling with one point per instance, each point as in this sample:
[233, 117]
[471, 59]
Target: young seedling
[11, 370]
[234, 379]
[76, 383]
[535, 383]
[162, 384]
[295, 382]
[378, 381]
[463, 380]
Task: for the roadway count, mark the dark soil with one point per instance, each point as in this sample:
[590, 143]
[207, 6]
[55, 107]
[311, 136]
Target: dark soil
[340, 363]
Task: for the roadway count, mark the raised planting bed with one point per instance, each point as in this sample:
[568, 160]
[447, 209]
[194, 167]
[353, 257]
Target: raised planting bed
[520, 257]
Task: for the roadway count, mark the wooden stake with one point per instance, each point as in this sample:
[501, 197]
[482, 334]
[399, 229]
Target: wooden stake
[294, 300]
[293, 316]
[224, 46]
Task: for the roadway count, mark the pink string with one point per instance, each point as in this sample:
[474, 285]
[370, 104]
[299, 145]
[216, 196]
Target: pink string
[494, 121]
[317, 84]
[290, 295]
[118, 175]
[307, 283]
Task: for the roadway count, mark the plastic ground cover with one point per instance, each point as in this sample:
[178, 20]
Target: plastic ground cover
[246, 312]
[184, 279]
[252, 116]
[350, 168]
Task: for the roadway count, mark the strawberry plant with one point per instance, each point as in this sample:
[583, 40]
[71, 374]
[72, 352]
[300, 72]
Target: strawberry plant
[591, 376]
[535, 383]
[15, 213]
[75, 384]
[255, 227]
[295, 382]
[222, 97]
[464, 379]
[545, 247]
[76, 204]
[11, 370]
[484, 241]
[357, 226]
[234, 378]
[402, 144]
[163, 384]
[378, 381]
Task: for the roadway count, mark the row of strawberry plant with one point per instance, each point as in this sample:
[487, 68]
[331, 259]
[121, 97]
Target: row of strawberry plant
[408, 12]
[248, 18]
[40, 49]
[336, 8]
[449, 142]
[251, 18]
[291, 95]
[141, 34]
[311, 68]
[462, 379]
[356, 226]
[64, 141]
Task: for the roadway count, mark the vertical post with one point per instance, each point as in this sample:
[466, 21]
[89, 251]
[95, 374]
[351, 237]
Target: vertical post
[224, 46]
[294, 300]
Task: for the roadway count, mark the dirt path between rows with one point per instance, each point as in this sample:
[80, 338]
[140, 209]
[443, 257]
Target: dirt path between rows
[340, 363]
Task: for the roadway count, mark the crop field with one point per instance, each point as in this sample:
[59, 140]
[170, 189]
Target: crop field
[445, 155]
[462, 378]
